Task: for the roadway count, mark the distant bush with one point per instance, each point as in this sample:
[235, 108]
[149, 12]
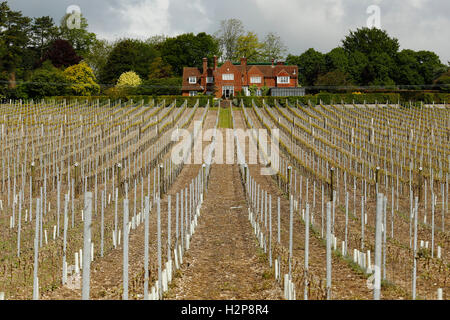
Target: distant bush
[82, 80]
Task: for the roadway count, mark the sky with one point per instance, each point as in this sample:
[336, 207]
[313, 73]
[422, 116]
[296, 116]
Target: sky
[302, 24]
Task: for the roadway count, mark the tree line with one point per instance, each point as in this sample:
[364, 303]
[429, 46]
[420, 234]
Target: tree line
[40, 58]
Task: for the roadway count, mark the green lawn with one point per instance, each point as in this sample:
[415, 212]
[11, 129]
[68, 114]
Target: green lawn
[225, 118]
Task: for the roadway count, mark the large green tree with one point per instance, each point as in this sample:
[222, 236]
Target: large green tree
[44, 31]
[379, 51]
[310, 64]
[126, 55]
[15, 35]
[407, 69]
[369, 41]
[337, 60]
[188, 50]
[430, 66]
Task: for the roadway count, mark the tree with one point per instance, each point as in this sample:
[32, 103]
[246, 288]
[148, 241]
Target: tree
[81, 39]
[97, 58]
[156, 41]
[379, 51]
[310, 64]
[128, 54]
[61, 54]
[444, 81]
[273, 47]
[46, 81]
[82, 80]
[248, 46]
[407, 69]
[333, 78]
[188, 50]
[337, 60]
[369, 41]
[357, 63]
[379, 71]
[160, 69]
[228, 35]
[15, 34]
[430, 66]
[44, 31]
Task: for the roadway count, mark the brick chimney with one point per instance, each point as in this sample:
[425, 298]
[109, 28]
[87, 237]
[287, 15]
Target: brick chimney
[205, 66]
[205, 73]
[244, 71]
[215, 63]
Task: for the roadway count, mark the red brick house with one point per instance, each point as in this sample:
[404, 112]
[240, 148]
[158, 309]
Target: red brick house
[230, 78]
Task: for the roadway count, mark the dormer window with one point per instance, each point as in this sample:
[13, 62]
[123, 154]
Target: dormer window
[283, 79]
[192, 80]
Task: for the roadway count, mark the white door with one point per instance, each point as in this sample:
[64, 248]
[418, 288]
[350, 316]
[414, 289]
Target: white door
[227, 91]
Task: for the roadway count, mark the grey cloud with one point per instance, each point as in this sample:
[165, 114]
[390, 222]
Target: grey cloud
[321, 24]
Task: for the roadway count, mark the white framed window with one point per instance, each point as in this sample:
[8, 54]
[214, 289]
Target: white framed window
[209, 79]
[228, 76]
[255, 79]
[192, 93]
[283, 79]
[192, 80]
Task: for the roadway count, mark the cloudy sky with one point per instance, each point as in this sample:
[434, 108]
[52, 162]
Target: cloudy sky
[320, 24]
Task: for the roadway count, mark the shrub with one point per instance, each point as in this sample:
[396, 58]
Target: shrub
[129, 79]
[82, 80]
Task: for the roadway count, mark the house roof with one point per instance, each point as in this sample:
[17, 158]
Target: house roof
[191, 72]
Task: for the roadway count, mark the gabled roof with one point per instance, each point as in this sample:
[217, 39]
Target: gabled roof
[191, 72]
[254, 69]
[282, 73]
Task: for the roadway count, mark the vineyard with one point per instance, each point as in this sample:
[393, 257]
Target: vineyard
[93, 206]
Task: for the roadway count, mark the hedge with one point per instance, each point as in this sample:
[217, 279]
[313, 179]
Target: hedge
[180, 99]
[369, 98]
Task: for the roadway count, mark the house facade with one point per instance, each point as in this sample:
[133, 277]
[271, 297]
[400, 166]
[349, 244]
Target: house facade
[231, 78]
